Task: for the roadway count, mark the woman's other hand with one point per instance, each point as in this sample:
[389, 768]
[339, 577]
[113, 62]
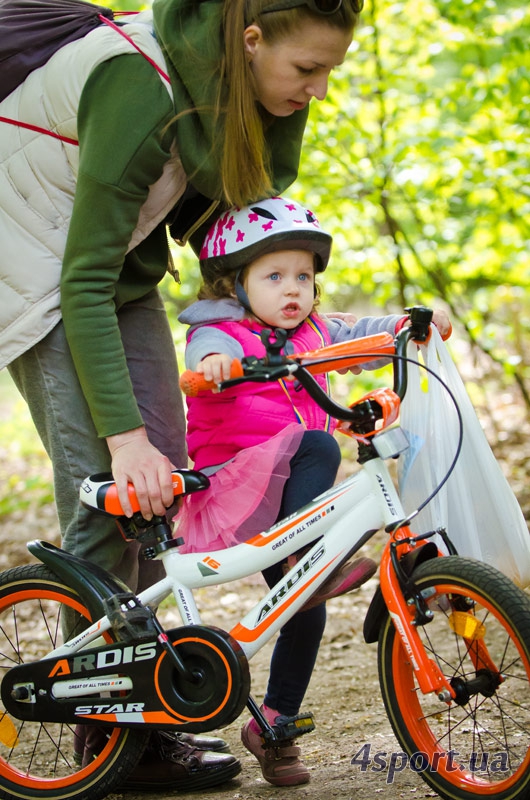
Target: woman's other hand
[135, 460]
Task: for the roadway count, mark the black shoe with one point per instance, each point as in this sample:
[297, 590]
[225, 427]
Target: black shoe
[170, 763]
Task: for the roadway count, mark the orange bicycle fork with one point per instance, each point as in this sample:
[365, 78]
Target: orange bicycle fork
[407, 613]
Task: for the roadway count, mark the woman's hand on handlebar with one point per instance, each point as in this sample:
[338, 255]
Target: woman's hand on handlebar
[135, 460]
[443, 323]
[349, 319]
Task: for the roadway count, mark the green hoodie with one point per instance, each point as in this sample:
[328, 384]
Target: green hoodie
[125, 128]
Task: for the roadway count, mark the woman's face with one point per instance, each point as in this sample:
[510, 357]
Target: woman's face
[290, 72]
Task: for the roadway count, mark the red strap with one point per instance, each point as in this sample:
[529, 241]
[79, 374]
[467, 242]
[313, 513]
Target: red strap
[39, 130]
[119, 30]
[125, 36]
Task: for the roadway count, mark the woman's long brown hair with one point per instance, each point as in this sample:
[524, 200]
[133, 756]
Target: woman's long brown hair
[245, 169]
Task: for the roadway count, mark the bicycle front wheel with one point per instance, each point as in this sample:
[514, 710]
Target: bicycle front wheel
[40, 759]
[478, 745]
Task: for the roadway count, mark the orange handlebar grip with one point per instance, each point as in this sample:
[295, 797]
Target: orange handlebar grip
[192, 383]
[111, 501]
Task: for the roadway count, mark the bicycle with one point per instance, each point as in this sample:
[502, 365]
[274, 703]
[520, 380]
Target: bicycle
[453, 634]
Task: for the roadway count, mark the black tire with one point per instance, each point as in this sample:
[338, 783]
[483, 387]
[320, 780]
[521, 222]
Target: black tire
[488, 730]
[37, 759]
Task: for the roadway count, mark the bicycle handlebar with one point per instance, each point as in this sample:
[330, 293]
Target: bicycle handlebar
[325, 359]
[100, 491]
[303, 366]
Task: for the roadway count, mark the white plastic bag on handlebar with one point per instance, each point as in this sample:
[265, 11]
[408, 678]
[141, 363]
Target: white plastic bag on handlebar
[476, 505]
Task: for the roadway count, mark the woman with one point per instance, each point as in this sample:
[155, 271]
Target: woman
[208, 112]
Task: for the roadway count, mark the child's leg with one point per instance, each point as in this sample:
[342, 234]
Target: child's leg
[313, 471]
[294, 655]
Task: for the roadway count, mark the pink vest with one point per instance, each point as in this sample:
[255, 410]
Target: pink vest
[219, 425]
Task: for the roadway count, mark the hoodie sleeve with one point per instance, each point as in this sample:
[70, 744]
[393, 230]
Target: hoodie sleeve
[205, 341]
[123, 145]
[366, 326]
[203, 337]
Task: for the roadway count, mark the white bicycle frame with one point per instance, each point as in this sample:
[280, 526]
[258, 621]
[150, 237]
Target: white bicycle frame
[342, 520]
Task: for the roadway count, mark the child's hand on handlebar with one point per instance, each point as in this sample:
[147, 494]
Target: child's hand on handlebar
[216, 367]
[136, 461]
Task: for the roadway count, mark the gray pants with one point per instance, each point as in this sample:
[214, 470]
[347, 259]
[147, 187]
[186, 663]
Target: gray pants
[46, 377]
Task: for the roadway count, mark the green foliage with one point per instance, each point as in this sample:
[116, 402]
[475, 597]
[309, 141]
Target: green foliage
[418, 161]
[125, 5]
[25, 472]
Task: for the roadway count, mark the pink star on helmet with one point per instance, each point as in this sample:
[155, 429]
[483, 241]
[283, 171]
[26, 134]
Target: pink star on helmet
[240, 235]
[253, 217]
[268, 225]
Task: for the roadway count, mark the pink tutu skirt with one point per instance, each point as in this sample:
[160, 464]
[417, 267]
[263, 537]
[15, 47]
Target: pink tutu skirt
[243, 498]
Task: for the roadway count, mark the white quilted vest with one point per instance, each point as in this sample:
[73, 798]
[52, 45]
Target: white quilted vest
[38, 179]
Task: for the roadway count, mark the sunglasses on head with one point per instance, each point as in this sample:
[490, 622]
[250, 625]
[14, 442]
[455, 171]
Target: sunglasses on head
[318, 6]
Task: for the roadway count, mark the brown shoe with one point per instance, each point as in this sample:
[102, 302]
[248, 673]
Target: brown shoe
[170, 763]
[203, 742]
[84, 751]
[280, 766]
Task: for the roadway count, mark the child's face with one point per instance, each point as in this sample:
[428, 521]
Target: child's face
[281, 287]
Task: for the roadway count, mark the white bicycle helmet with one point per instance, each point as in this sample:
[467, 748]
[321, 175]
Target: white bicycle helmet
[242, 234]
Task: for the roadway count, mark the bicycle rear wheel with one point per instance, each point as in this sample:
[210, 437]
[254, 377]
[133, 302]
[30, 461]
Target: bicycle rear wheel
[39, 759]
[478, 746]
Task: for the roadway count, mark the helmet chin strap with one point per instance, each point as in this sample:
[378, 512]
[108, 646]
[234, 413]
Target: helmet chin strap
[242, 296]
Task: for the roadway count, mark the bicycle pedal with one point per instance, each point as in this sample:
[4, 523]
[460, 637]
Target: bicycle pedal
[130, 620]
[287, 728]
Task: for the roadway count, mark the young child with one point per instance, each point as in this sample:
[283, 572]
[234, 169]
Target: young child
[268, 448]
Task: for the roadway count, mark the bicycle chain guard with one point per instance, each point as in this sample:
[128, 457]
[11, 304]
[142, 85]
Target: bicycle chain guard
[133, 684]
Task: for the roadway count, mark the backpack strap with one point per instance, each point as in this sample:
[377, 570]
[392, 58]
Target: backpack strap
[119, 30]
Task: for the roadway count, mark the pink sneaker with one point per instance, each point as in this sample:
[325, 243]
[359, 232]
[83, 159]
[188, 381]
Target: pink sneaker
[280, 766]
[350, 576]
